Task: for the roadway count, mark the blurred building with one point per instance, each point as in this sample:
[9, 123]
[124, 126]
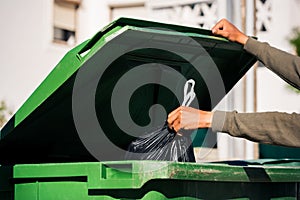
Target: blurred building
[36, 34]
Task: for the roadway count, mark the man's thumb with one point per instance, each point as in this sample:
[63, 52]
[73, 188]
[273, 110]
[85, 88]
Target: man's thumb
[216, 31]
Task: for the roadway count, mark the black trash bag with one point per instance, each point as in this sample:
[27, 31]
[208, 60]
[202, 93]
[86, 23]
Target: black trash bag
[164, 143]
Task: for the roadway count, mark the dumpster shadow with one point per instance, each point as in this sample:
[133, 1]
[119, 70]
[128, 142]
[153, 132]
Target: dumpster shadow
[6, 187]
[204, 190]
[257, 174]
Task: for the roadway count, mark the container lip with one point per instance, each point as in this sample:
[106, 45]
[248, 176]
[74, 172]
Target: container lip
[139, 172]
[284, 163]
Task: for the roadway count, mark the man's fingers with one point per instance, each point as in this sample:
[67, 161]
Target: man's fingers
[223, 28]
[174, 112]
[174, 119]
[218, 27]
[221, 32]
[172, 116]
[177, 125]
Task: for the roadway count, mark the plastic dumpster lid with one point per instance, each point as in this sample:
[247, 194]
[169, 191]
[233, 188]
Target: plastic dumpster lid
[131, 64]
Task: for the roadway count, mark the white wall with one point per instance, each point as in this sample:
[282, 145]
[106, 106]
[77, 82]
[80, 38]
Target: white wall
[273, 94]
[27, 52]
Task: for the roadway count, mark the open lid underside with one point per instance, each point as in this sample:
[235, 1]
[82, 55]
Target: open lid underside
[116, 80]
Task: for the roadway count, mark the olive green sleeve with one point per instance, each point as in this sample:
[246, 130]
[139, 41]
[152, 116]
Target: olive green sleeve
[285, 65]
[267, 127]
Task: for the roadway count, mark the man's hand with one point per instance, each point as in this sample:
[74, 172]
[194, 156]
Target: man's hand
[189, 118]
[226, 29]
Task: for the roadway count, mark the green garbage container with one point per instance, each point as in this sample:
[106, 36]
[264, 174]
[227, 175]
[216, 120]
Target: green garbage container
[259, 179]
[70, 117]
[44, 151]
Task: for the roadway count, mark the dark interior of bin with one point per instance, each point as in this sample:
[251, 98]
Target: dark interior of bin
[48, 134]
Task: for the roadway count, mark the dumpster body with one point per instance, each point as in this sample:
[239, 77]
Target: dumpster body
[261, 179]
[147, 180]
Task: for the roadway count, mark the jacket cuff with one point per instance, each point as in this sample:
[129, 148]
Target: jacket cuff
[218, 121]
[253, 46]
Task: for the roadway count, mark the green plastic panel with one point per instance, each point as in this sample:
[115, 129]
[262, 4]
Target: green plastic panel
[277, 152]
[156, 180]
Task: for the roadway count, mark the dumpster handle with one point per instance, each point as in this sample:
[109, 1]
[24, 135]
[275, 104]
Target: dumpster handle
[85, 50]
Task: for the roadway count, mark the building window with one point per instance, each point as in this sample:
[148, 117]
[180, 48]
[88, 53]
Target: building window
[64, 21]
[131, 9]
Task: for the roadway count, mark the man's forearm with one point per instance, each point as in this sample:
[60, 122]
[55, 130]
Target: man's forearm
[267, 127]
